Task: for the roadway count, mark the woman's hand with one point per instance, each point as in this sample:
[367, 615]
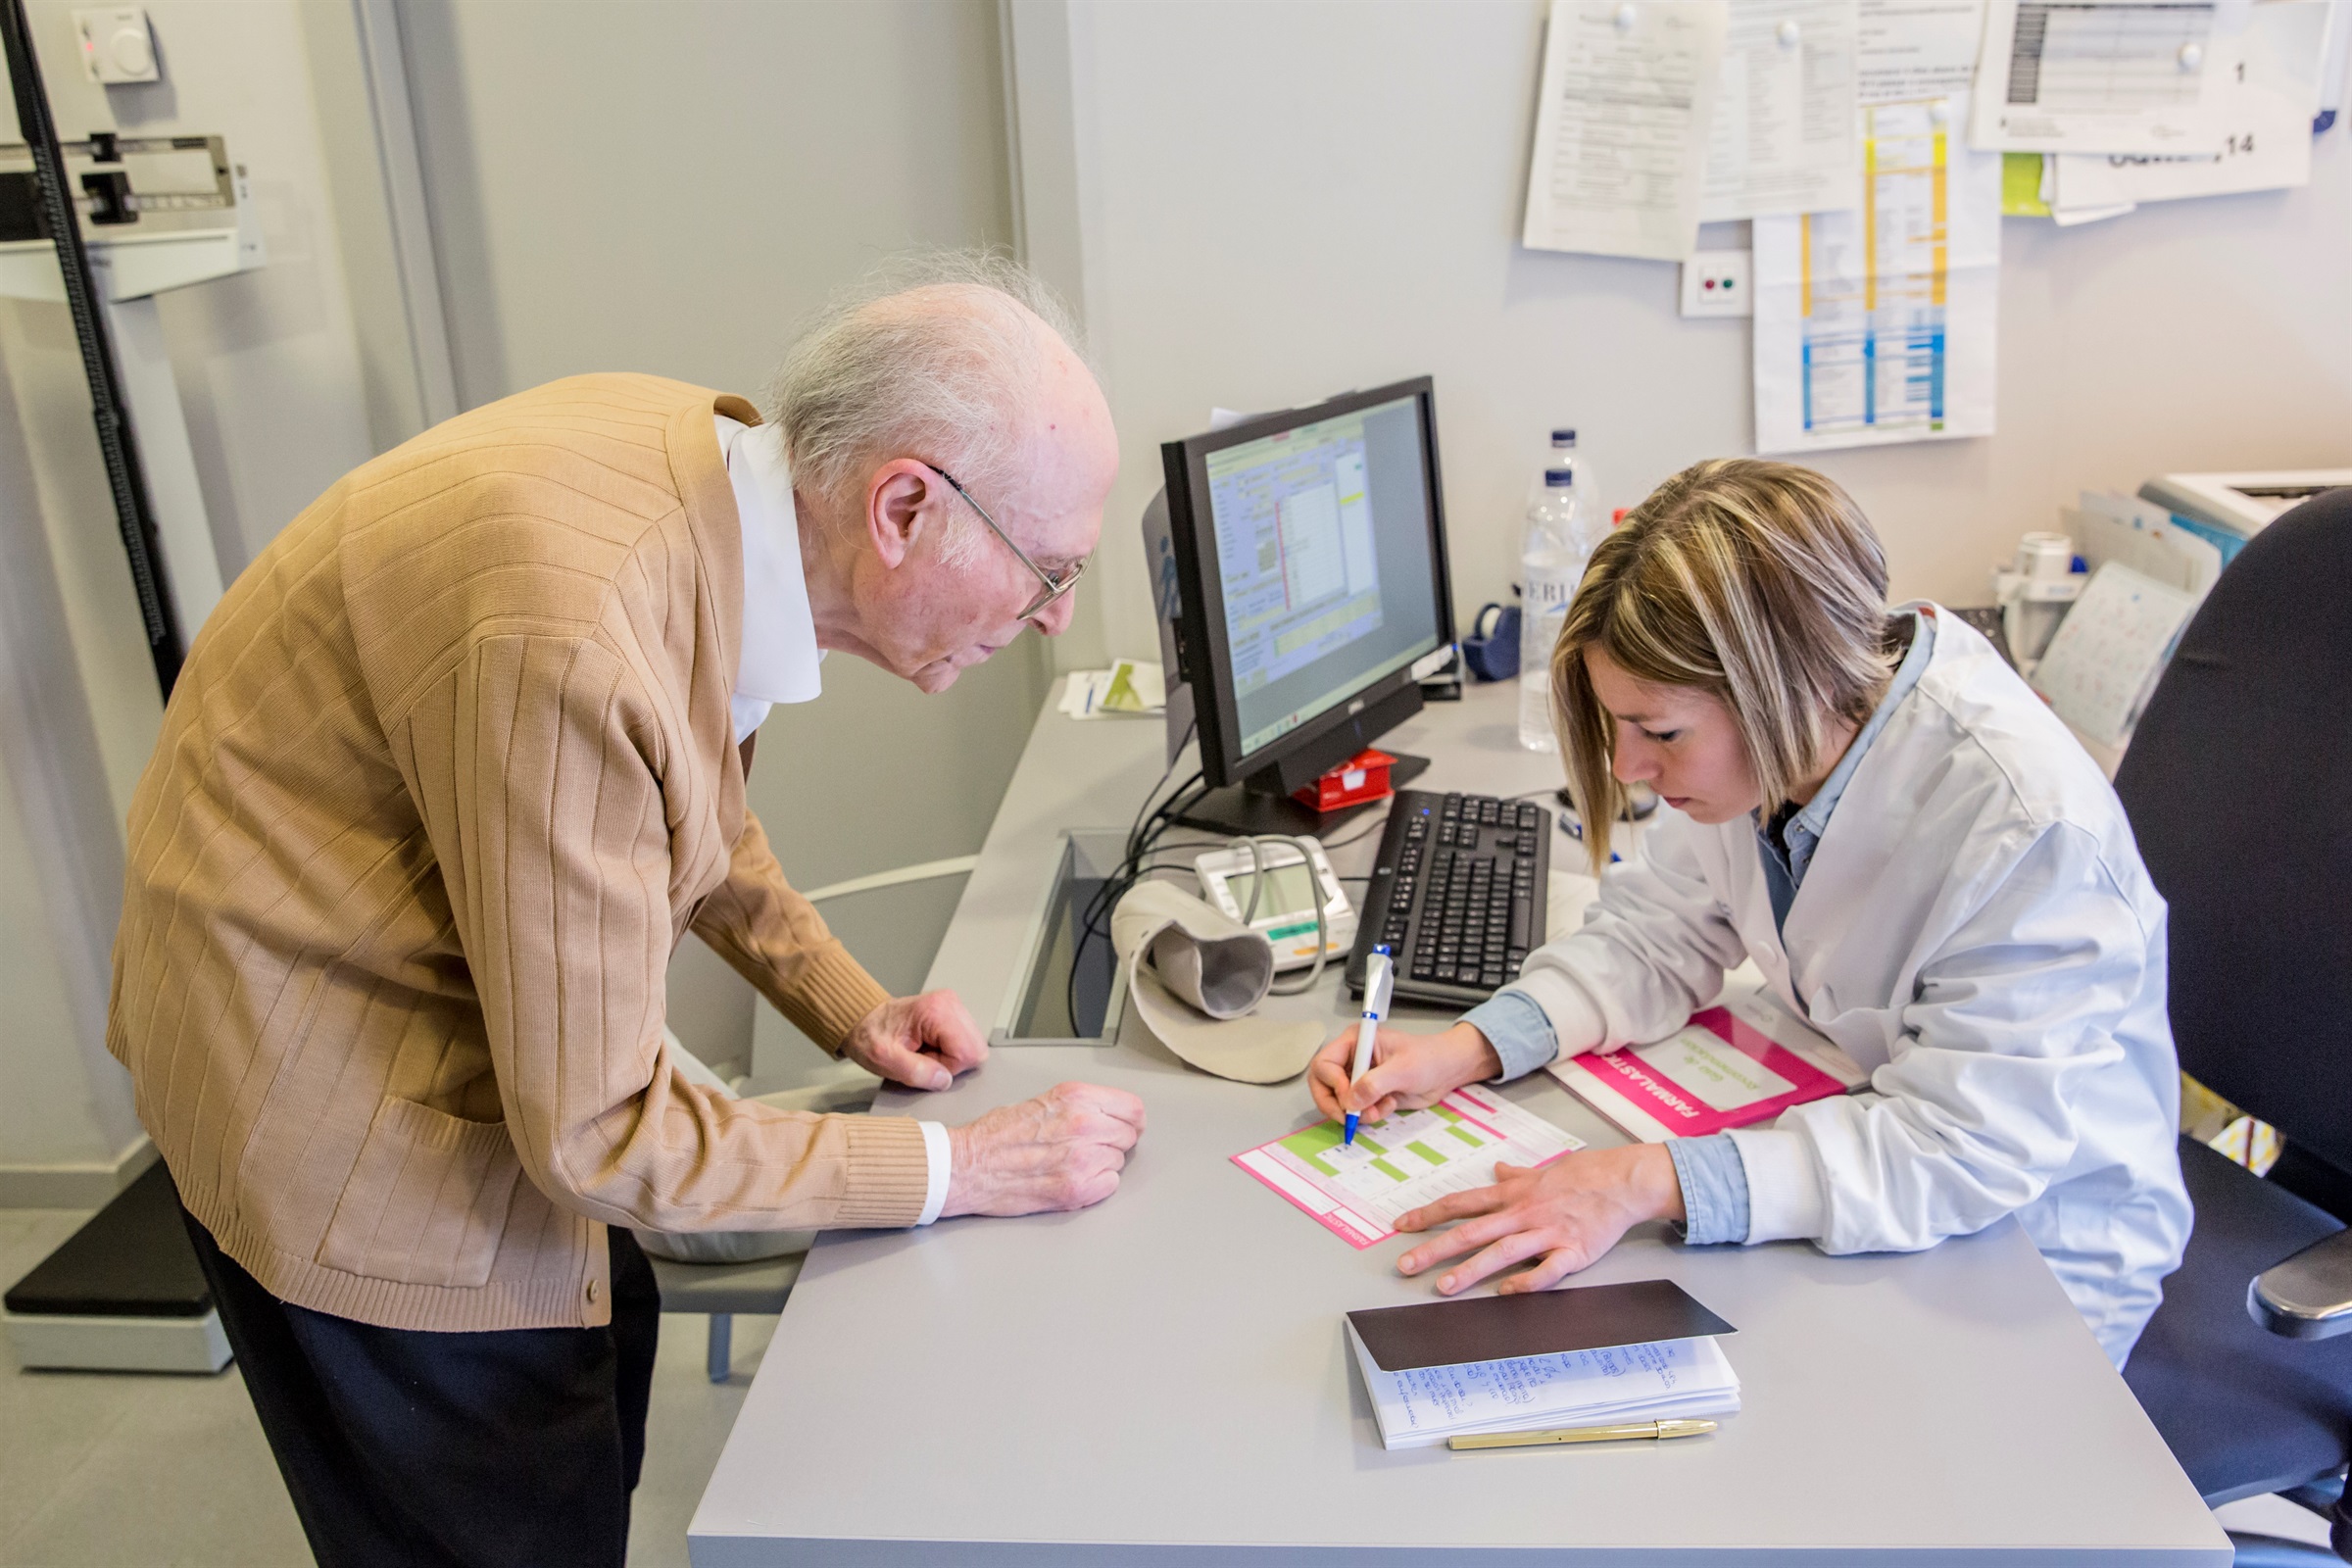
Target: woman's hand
[1408, 1071]
[1569, 1213]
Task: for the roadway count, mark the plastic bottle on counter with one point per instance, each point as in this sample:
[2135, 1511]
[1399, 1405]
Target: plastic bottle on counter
[1557, 543]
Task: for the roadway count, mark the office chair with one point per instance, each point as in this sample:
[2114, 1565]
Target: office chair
[2238, 783]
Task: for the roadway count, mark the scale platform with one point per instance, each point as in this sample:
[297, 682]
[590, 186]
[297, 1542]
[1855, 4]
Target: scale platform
[123, 1294]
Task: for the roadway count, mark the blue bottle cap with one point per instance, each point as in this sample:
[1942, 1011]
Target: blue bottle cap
[1563, 438]
[1558, 478]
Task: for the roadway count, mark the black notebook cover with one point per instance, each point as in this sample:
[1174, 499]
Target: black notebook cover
[1497, 1328]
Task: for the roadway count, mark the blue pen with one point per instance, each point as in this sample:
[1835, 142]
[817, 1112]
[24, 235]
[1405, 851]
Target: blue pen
[1380, 983]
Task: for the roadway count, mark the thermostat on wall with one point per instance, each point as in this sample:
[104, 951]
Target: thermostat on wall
[117, 45]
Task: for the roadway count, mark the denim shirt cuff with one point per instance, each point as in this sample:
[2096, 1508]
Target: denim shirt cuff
[1714, 1182]
[1518, 1030]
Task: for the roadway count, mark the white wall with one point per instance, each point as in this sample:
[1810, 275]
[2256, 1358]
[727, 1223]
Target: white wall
[1273, 202]
[267, 376]
[66, 1119]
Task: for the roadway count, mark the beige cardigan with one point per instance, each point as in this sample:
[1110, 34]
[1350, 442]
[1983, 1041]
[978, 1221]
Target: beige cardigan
[448, 775]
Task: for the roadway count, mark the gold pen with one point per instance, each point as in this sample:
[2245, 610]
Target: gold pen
[1617, 1434]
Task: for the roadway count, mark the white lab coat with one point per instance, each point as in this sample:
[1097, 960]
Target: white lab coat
[1975, 929]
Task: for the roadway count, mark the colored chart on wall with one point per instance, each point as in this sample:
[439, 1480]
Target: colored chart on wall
[1876, 324]
[1398, 1165]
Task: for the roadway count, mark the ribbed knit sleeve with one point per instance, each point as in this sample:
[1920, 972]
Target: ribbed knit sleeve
[536, 766]
[778, 941]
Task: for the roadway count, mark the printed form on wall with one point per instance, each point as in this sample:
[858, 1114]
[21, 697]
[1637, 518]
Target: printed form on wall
[1876, 324]
[1781, 139]
[2268, 99]
[2105, 75]
[1621, 136]
[1908, 51]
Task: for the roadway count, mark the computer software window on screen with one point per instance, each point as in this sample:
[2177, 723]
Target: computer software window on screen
[1323, 552]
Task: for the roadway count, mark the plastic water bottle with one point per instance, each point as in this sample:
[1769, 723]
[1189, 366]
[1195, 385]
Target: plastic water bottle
[1552, 555]
[1565, 452]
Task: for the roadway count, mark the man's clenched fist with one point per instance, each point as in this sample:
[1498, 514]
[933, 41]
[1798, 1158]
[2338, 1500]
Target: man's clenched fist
[1062, 1151]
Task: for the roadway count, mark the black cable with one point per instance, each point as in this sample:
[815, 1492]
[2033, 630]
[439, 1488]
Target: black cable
[1142, 835]
[1361, 834]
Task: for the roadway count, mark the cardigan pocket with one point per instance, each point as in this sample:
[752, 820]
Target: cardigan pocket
[427, 1202]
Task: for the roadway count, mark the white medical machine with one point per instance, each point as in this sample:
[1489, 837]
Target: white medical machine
[1285, 900]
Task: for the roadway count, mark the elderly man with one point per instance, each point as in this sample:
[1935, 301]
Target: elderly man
[452, 769]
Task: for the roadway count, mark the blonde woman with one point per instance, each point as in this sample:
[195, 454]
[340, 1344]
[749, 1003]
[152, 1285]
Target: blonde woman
[1919, 859]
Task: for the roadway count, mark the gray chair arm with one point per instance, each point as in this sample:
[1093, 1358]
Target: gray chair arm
[2274, 1552]
[2309, 1297]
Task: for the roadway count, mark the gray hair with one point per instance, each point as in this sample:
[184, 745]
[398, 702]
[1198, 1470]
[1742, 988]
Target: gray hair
[929, 357]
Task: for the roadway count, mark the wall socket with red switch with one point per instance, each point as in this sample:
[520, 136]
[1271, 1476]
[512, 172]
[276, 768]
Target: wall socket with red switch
[1716, 283]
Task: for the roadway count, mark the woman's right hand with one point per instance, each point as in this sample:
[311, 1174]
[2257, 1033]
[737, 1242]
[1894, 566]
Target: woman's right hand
[1408, 1071]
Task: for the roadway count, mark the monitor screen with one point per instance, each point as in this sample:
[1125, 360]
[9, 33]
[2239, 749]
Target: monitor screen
[1324, 561]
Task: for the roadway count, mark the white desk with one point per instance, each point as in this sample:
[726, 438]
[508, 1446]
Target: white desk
[1162, 1379]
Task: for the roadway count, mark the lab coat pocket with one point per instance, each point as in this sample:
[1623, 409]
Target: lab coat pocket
[427, 1202]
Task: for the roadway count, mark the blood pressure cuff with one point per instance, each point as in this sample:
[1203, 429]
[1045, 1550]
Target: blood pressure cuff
[1195, 973]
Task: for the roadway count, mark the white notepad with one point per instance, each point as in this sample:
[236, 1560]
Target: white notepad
[1670, 1378]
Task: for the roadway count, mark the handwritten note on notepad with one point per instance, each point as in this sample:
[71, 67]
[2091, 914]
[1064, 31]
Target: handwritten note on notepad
[2106, 654]
[1626, 1383]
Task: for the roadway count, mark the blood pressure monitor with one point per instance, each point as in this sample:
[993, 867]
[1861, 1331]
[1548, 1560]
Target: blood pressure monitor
[1286, 904]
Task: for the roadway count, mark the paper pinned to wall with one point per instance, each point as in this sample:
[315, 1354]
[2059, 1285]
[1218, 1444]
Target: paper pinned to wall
[2104, 75]
[1619, 165]
[2266, 102]
[1782, 137]
[1907, 51]
[1877, 325]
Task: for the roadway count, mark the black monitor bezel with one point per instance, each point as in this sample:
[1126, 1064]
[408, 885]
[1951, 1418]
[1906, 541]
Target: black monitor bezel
[1201, 631]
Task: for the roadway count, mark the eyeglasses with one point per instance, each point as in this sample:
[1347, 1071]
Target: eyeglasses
[1055, 587]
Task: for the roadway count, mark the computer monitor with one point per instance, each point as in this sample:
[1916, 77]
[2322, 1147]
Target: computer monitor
[1309, 555]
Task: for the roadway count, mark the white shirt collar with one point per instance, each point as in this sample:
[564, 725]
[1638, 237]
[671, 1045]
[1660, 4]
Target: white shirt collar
[780, 657]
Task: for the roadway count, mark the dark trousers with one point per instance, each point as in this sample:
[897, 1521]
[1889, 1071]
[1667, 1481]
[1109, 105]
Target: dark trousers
[509, 1448]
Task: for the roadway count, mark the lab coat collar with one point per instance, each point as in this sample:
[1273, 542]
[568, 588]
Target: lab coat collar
[1814, 818]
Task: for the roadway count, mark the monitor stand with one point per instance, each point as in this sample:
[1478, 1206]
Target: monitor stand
[1238, 809]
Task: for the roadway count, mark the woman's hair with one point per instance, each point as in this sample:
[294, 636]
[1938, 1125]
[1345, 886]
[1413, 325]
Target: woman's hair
[1760, 582]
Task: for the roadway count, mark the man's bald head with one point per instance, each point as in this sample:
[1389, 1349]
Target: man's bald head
[956, 358]
[958, 366]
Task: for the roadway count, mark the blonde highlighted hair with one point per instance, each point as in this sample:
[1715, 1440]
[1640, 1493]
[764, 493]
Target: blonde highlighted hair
[1760, 582]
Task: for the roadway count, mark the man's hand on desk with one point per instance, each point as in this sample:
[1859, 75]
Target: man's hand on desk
[1567, 1213]
[1409, 1072]
[1063, 1149]
[922, 1041]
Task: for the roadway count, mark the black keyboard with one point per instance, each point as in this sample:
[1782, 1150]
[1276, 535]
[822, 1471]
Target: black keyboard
[1457, 895]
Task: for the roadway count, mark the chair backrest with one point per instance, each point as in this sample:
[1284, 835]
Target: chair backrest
[2238, 782]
